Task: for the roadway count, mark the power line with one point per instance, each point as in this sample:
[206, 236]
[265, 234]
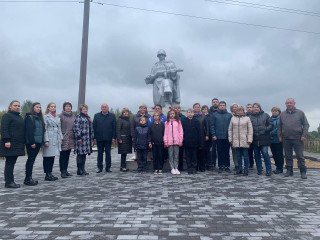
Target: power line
[42, 1]
[206, 18]
[266, 7]
[290, 9]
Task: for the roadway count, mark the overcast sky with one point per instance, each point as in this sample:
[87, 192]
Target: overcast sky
[40, 46]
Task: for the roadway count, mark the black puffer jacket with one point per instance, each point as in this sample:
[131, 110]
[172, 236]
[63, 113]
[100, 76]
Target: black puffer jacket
[262, 125]
[191, 133]
[124, 134]
[12, 130]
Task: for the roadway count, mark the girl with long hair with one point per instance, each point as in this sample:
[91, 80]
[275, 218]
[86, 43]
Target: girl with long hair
[34, 132]
[173, 137]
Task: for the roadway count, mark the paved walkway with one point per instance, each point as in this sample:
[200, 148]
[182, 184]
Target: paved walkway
[130, 206]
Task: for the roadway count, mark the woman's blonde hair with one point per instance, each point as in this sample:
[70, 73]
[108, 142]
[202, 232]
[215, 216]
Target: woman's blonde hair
[124, 110]
[47, 109]
[239, 108]
[276, 108]
[83, 106]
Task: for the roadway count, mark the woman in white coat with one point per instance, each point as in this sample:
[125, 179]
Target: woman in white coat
[52, 140]
[240, 137]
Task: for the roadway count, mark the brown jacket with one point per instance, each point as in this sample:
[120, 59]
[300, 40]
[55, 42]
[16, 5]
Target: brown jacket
[293, 125]
[240, 131]
[67, 120]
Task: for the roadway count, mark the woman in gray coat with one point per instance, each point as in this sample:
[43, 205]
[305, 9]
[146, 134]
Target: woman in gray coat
[52, 140]
[67, 120]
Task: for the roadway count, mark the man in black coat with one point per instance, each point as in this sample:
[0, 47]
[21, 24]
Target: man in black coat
[104, 127]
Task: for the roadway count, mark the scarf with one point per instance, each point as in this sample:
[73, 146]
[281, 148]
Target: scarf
[197, 114]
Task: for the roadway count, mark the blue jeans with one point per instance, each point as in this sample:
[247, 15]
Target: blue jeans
[243, 152]
[264, 150]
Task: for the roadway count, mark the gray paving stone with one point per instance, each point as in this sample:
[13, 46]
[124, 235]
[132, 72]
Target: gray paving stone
[129, 206]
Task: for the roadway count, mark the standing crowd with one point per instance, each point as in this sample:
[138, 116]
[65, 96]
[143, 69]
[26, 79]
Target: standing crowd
[202, 136]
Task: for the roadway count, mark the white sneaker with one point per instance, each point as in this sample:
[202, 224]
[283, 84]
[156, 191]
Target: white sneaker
[173, 171]
[160, 172]
[177, 171]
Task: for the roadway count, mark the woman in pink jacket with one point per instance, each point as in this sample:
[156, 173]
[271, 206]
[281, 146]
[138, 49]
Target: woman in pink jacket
[173, 137]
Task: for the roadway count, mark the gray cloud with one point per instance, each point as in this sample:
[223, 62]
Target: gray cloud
[40, 54]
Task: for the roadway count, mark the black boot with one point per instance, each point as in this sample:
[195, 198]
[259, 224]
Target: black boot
[53, 177]
[289, 172]
[277, 171]
[48, 177]
[303, 172]
[79, 171]
[64, 174]
[29, 181]
[83, 169]
[68, 174]
[12, 185]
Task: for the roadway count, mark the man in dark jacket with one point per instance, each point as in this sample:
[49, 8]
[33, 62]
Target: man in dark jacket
[104, 126]
[219, 130]
[262, 125]
[292, 131]
[214, 109]
[191, 139]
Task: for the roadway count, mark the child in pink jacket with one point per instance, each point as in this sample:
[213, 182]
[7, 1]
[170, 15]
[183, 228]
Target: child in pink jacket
[173, 137]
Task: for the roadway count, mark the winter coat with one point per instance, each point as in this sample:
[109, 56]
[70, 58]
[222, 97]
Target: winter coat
[124, 134]
[140, 137]
[293, 125]
[240, 131]
[135, 121]
[220, 123]
[173, 132]
[83, 130]
[67, 121]
[163, 119]
[209, 123]
[204, 130]
[12, 130]
[212, 110]
[191, 133]
[53, 135]
[181, 117]
[262, 125]
[156, 133]
[34, 131]
[104, 126]
[273, 133]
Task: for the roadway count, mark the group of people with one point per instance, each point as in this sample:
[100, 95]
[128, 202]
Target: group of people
[202, 136]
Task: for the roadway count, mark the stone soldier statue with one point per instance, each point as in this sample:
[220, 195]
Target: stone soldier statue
[165, 79]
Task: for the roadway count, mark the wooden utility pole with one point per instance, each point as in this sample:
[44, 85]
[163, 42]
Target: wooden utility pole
[84, 54]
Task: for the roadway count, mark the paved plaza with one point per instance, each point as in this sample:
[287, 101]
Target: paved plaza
[130, 206]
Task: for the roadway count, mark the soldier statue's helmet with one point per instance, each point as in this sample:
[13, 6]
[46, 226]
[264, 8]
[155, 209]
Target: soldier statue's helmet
[161, 52]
